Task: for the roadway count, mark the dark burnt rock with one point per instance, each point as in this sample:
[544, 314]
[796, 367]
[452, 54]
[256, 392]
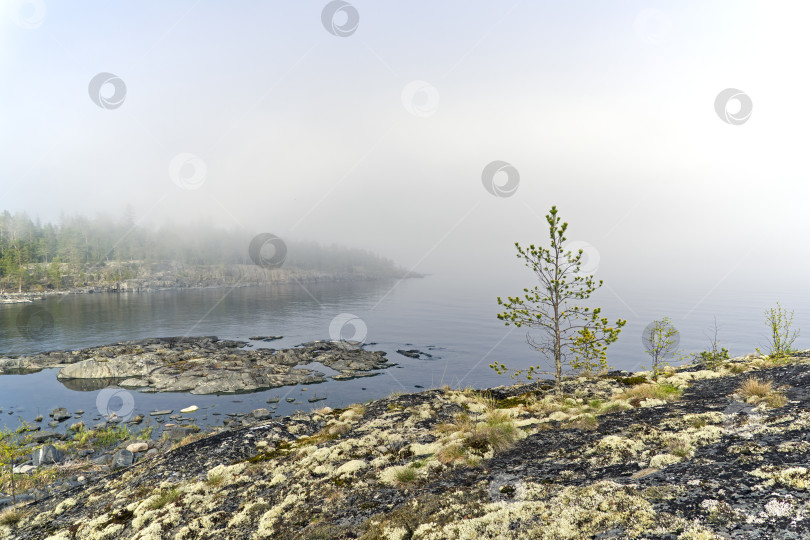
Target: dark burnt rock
[438, 465]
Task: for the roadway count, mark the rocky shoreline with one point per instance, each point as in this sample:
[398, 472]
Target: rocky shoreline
[178, 276]
[694, 455]
[200, 365]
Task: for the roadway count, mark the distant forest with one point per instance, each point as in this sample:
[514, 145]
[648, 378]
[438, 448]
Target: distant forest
[82, 251]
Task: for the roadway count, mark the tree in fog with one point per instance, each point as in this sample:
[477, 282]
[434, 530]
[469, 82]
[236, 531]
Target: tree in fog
[570, 334]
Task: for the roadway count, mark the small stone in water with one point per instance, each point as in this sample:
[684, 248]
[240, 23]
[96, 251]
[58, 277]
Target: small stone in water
[192, 408]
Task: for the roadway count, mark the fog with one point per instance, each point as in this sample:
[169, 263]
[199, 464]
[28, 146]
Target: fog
[256, 115]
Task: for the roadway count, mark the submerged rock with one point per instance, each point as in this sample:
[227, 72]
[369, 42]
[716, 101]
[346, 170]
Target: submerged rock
[414, 353]
[59, 414]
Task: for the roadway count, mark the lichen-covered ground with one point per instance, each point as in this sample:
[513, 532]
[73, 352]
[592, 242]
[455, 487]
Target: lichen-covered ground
[691, 456]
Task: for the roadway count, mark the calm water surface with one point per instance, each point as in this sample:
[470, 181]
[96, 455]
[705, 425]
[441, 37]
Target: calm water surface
[453, 321]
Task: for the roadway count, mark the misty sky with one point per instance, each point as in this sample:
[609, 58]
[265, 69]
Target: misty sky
[378, 139]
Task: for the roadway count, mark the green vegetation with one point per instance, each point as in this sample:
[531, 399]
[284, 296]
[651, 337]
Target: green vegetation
[405, 476]
[661, 341]
[632, 381]
[781, 337]
[215, 480]
[570, 330]
[13, 445]
[112, 435]
[716, 354]
[80, 252]
[165, 497]
[146, 433]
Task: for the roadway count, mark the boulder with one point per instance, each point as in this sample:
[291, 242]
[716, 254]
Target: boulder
[261, 414]
[59, 414]
[122, 459]
[138, 447]
[178, 433]
[47, 455]
[103, 459]
[44, 435]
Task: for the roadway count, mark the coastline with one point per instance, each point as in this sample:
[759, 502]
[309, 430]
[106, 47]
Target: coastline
[602, 460]
[179, 277]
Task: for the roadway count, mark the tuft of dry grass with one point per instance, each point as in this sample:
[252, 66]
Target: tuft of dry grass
[498, 433]
[451, 454]
[188, 439]
[494, 430]
[406, 476]
[483, 398]
[640, 392]
[776, 400]
[737, 368]
[11, 516]
[679, 448]
[754, 390]
[753, 387]
[166, 497]
[461, 422]
[584, 421]
[215, 480]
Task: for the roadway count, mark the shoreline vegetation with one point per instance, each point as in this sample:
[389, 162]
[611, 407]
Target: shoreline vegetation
[701, 451]
[81, 255]
[176, 276]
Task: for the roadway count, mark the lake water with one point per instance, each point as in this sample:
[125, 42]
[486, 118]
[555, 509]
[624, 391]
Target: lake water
[452, 320]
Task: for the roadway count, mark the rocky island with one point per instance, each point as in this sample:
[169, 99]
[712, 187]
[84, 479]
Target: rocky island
[200, 365]
[705, 451]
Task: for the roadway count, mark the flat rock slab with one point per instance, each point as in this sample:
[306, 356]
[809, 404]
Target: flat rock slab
[200, 365]
[44, 435]
[160, 413]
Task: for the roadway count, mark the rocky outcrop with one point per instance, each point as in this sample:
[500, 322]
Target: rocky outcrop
[200, 365]
[692, 456]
